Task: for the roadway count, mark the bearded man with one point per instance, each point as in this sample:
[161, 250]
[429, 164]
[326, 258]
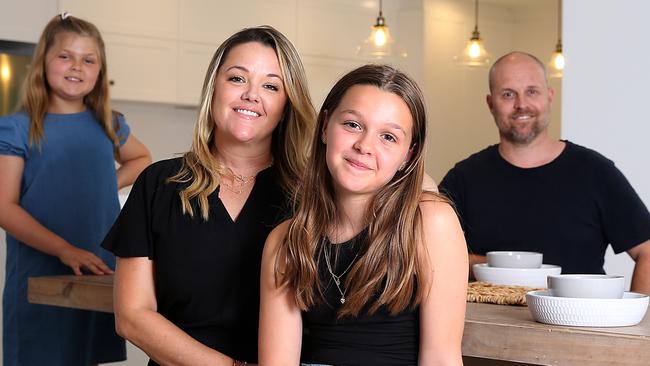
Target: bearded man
[531, 192]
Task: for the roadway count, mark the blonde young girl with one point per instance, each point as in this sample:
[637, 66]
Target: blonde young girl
[370, 267]
[58, 195]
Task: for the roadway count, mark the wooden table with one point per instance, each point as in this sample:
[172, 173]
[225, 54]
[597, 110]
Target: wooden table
[491, 331]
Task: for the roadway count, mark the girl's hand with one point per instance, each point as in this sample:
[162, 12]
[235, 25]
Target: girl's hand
[79, 259]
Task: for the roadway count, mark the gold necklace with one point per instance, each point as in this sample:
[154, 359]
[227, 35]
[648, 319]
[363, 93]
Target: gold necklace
[239, 181]
[337, 278]
[238, 184]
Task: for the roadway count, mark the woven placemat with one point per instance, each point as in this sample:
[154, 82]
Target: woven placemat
[497, 294]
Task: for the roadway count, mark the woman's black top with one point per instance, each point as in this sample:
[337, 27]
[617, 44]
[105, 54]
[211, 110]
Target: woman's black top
[206, 272]
[378, 339]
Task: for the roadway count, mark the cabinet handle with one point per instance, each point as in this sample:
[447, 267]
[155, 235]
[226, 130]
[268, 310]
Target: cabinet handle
[111, 82]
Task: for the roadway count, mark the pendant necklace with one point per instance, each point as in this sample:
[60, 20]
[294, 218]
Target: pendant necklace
[337, 278]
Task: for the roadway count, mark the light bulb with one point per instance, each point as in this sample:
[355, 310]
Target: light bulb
[558, 61]
[474, 49]
[5, 72]
[380, 36]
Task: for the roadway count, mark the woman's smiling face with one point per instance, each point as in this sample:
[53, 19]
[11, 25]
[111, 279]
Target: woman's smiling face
[249, 95]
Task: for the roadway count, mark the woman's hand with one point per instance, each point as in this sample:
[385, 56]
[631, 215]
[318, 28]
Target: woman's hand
[78, 259]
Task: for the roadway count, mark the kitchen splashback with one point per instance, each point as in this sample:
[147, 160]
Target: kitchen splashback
[14, 63]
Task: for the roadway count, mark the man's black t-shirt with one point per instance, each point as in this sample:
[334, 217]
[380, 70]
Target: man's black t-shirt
[569, 209]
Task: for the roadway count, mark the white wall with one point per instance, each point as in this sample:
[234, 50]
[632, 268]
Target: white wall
[606, 89]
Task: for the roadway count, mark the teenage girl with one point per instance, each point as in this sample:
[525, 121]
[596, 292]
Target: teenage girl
[58, 195]
[371, 270]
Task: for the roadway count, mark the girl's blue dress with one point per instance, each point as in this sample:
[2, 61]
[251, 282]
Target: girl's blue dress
[70, 186]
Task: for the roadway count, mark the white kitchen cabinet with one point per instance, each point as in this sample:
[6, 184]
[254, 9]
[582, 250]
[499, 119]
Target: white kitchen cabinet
[159, 50]
[193, 62]
[141, 45]
[148, 18]
[339, 29]
[212, 21]
[142, 69]
[24, 20]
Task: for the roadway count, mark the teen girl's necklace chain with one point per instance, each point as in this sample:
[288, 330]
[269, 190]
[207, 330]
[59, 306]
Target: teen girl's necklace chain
[337, 278]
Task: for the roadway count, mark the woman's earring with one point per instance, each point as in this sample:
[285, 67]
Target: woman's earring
[402, 166]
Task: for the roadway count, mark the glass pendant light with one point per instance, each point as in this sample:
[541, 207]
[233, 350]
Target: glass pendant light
[474, 54]
[380, 44]
[556, 65]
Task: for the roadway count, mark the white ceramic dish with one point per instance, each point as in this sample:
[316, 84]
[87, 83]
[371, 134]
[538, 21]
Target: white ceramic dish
[587, 312]
[530, 277]
[507, 259]
[592, 286]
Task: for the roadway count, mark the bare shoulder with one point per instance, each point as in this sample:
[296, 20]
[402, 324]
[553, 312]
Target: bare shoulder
[434, 207]
[440, 225]
[275, 238]
[270, 265]
[278, 233]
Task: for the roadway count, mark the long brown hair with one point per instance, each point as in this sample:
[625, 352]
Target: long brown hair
[36, 91]
[290, 144]
[387, 269]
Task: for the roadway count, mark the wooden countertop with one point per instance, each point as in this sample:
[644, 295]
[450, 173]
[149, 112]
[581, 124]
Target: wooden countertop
[79, 292]
[491, 331]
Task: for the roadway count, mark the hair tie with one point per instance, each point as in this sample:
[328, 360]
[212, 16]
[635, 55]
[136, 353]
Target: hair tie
[64, 15]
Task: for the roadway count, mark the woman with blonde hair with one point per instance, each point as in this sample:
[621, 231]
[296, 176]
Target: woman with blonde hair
[189, 239]
[371, 270]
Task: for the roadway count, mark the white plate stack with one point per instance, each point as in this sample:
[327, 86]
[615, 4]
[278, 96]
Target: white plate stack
[515, 269]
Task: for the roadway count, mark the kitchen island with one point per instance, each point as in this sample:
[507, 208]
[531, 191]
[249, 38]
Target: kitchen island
[497, 332]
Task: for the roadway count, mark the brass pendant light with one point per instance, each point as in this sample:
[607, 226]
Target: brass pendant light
[556, 64]
[380, 44]
[474, 54]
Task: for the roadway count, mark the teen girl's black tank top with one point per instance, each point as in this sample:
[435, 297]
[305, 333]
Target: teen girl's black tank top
[377, 339]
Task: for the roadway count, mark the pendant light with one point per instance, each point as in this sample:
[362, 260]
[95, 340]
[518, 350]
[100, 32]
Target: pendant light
[380, 44]
[474, 54]
[556, 65]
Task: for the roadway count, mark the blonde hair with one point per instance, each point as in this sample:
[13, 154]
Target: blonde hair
[36, 91]
[389, 261]
[290, 138]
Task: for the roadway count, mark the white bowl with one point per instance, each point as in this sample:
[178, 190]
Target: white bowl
[548, 309]
[504, 259]
[593, 286]
[529, 277]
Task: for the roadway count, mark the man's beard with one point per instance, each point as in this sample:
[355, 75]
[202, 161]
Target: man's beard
[519, 136]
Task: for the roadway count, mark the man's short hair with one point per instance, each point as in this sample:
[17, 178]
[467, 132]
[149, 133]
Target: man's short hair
[498, 61]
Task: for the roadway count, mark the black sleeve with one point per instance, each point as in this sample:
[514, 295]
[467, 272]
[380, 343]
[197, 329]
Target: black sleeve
[131, 234]
[625, 218]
